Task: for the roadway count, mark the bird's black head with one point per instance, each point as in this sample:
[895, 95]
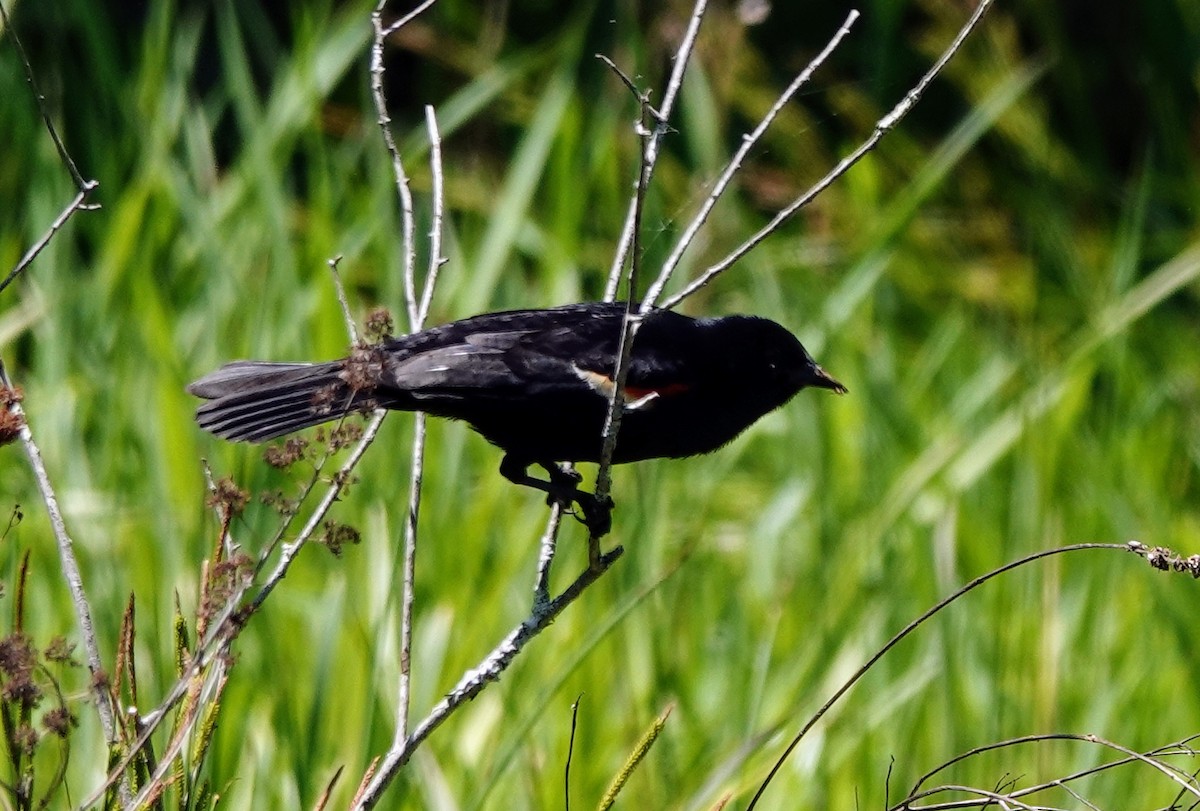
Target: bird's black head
[764, 356]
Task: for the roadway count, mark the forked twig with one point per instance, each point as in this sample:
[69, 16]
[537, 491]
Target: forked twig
[735, 163]
[487, 671]
[83, 187]
[882, 127]
[628, 247]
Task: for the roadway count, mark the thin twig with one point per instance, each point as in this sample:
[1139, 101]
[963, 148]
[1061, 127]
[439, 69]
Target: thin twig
[417, 306]
[71, 572]
[436, 260]
[917, 793]
[404, 690]
[883, 126]
[384, 120]
[682, 57]
[406, 19]
[474, 680]
[899, 637]
[290, 550]
[37, 247]
[629, 247]
[340, 290]
[735, 163]
[82, 185]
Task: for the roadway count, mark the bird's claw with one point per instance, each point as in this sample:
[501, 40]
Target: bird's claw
[593, 513]
[597, 513]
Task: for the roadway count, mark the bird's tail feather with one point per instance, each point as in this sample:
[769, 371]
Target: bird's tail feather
[255, 401]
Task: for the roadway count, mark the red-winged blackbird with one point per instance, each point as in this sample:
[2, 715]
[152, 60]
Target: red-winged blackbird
[536, 383]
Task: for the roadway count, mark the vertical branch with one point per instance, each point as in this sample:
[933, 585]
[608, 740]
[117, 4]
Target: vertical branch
[417, 306]
[630, 247]
[436, 260]
[70, 565]
[650, 151]
[384, 121]
[418, 447]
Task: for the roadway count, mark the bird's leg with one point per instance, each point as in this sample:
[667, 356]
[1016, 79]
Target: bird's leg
[563, 489]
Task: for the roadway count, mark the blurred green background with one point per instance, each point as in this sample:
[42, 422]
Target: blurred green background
[1007, 286]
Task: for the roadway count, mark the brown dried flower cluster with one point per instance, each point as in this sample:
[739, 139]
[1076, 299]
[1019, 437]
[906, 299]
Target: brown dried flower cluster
[11, 419]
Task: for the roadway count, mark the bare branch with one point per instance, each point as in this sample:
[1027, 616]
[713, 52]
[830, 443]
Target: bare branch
[384, 120]
[439, 208]
[474, 680]
[37, 247]
[883, 126]
[418, 306]
[82, 185]
[98, 684]
[735, 163]
[418, 446]
[405, 20]
[905, 632]
[650, 152]
[629, 247]
[340, 290]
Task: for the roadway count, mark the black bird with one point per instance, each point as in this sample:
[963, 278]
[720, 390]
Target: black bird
[536, 383]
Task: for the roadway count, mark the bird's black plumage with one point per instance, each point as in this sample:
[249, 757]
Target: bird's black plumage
[536, 383]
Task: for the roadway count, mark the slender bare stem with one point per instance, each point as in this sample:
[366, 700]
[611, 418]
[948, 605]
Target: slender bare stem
[1188, 783]
[882, 127]
[404, 689]
[735, 163]
[436, 260]
[289, 551]
[417, 305]
[904, 633]
[82, 185]
[629, 248]
[75, 205]
[70, 569]
[340, 290]
[384, 120]
[682, 57]
[474, 680]
[406, 19]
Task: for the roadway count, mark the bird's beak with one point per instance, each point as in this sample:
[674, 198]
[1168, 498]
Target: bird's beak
[823, 380]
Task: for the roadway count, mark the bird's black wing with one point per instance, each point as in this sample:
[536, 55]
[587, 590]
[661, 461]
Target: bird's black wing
[530, 353]
[498, 355]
